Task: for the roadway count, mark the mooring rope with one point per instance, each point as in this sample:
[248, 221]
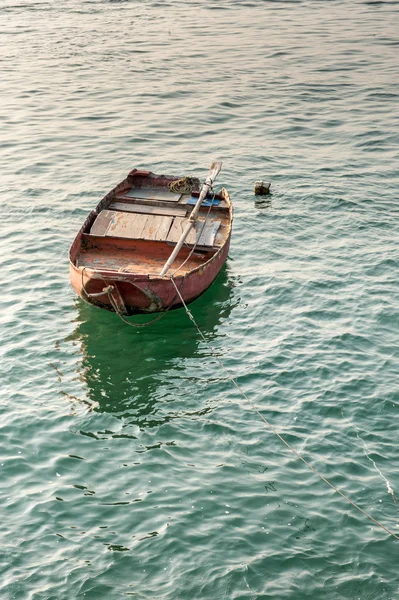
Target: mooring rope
[132, 323]
[273, 430]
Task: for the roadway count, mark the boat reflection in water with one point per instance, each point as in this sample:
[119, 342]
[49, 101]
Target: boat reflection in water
[130, 372]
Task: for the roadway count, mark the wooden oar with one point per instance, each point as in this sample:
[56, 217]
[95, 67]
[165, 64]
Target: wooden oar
[213, 173]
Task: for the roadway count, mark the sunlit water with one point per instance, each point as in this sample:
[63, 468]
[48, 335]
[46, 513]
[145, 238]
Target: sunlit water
[130, 467]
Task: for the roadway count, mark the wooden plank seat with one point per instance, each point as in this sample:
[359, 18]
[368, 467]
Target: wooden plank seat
[161, 194]
[133, 226]
[165, 228]
[170, 211]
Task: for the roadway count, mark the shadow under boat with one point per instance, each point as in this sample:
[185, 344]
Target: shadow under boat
[126, 369]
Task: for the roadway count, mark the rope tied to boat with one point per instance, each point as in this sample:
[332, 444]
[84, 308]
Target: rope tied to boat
[140, 325]
[272, 429]
[108, 290]
[185, 185]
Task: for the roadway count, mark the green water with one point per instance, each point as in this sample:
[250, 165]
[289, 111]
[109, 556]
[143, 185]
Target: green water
[130, 467]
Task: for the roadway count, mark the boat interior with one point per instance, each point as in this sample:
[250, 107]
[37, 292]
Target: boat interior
[137, 225]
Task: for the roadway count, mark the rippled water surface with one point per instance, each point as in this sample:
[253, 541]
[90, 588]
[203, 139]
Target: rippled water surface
[130, 467]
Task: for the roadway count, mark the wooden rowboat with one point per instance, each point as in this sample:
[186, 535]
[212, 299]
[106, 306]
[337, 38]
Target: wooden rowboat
[147, 230]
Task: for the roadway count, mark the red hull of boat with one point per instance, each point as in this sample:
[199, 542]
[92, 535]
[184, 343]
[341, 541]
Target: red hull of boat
[141, 294]
[129, 291]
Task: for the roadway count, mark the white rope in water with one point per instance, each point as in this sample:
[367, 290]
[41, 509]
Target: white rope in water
[273, 430]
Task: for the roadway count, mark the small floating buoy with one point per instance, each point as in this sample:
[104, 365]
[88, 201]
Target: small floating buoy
[261, 188]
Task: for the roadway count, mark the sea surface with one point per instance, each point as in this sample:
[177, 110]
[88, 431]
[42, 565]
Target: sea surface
[129, 464]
